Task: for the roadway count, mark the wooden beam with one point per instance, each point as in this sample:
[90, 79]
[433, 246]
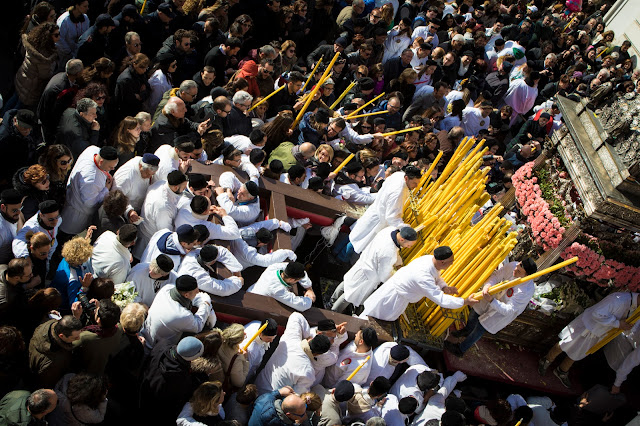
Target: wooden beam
[278, 209]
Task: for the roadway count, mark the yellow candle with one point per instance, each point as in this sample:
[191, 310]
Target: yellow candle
[351, 117]
[344, 163]
[397, 132]
[270, 95]
[306, 83]
[365, 105]
[341, 97]
[255, 336]
[358, 368]
[612, 334]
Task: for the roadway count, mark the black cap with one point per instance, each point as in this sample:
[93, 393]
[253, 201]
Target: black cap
[151, 159]
[264, 235]
[442, 253]
[322, 116]
[320, 344]
[272, 327]
[176, 177]
[341, 41]
[165, 263]
[104, 20]
[350, 106]
[26, 118]
[407, 405]
[203, 232]
[295, 270]
[366, 83]
[399, 352]
[326, 325]
[130, 11]
[209, 253]
[316, 183]
[197, 181]
[186, 233]
[48, 206]
[167, 10]
[182, 139]
[108, 153]
[344, 391]
[186, 283]
[408, 233]
[165, 58]
[353, 167]
[370, 336]
[529, 265]
[252, 188]
[11, 196]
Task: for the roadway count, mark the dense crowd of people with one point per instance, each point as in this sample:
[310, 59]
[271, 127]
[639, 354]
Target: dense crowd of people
[114, 102]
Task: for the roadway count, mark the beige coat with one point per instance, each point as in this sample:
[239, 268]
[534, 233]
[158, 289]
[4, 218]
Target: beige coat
[240, 367]
[34, 73]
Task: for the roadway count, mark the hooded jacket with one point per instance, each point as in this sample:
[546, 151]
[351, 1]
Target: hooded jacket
[34, 73]
[49, 357]
[18, 151]
[249, 72]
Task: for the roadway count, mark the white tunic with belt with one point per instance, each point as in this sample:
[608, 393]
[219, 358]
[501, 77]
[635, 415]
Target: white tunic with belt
[380, 361]
[410, 284]
[129, 180]
[506, 305]
[348, 360]
[20, 245]
[148, 287]
[169, 161]
[86, 189]
[218, 287]
[385, 211]
[256, 349]
[110, 259]
[271, 284]
[374, 266]
[227, 231]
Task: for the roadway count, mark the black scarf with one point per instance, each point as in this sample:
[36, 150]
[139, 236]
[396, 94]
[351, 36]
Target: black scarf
[394, 237]
[183, 301]
[208, 268]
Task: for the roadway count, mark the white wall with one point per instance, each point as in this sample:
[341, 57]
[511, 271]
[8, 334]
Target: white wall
[624, 20]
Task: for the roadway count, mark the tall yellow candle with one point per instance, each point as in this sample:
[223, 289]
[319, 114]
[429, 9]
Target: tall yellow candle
[306, 83]
[255, 336]
[341, 97]
[344, 163]
[365, 105]
[351, 117]
[358, 368]
[267, 97]
[397, 132]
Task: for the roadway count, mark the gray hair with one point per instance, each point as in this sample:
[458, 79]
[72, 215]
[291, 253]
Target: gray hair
[552, 56]
[376, 421]
[40, 401]
[604, 74]
[129, 36]
[85, 104]
[242, 97]
[328, 81]
[150, 167]
[187, 85]
[171, 107]
[153, 267]
[73, 67]
[268, 50]
[143, 116]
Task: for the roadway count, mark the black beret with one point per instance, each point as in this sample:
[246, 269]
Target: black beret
[186, 283]
[252, 188]
[11, 196]
[295, 270]
[320, 344]
[203, 232]
[366, 83]
[264, 235]
[272, 327]
[151, 159]
[344, 391]
[209, 253]
[186, 233]
[529, 265]
[399, 352]
[108, 153]
[165, 263]
[326, 325]
[48, 206]
[442, 253]
[176, 177]
[353, 167]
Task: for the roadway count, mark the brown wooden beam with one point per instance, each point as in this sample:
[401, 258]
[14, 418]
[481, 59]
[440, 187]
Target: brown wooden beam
[278, 209]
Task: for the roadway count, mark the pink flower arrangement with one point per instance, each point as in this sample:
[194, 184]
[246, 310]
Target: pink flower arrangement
[546, 228]
[595, 268]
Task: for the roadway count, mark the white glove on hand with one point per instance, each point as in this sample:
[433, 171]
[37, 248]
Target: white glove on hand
[291, 255]
[460, 376]
[285, 226]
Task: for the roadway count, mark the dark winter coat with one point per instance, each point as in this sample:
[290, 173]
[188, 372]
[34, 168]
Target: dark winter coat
[33, 195]
[34, 73]
[75, 132]
[17, 150]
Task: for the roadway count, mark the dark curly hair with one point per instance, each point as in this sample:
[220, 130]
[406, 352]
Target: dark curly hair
[93, 73]
[41, 38]
[90, 91]
[87, 389]
[11, 341]
[115, 203]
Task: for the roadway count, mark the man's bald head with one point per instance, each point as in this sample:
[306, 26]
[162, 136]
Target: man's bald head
[307, 149]
[294, 405]
[175, 107]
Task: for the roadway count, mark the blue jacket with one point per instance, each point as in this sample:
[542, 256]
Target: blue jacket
[393, 120]
[307, 132]
[69, 284]
[264, 412]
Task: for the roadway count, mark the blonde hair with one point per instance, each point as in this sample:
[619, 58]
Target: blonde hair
[206, 398]
[34, 174]
[77, 251]
[132, 317]
[37, 239]
[327, 148]
[233, 335]
[313, 401]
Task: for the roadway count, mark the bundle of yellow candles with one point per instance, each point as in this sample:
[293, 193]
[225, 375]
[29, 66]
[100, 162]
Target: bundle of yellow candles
[341, 97]
[352, 375]
[443, 210]
[612, 334]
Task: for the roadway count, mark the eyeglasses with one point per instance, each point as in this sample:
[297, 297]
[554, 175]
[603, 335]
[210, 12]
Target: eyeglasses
[300, 415]
[265, 71]
[376, 16]
[226, 111]
[291, 50]
[65, 162]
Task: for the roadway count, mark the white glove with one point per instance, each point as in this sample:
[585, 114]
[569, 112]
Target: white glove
[291, 255]
[285, 226]
[202, 298]
[459, 376]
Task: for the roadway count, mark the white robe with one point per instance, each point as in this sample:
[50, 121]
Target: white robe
[394, 45]
[256, 349]
[227, 231]
[410, 284]
[217, 287]
[86, 189]
[244, 214]
[385, 211]
[373, 267]
[169, 161]
[352, 193]
[129, 180]
[152, 251]
[8, 232]
[473, 121]
[348, 360]
[147, 287]
[508, 304]
[110, 259]
[158, 210]
[435, 406]
[167, 319]
[520, 96]
[380, 361]
[329, 358]
[20, 245]
[407, 385]
[289, 365]
[270, 284]
[249, 256]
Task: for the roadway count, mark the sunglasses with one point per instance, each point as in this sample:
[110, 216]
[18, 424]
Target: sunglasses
[65, 162]
[101, 98]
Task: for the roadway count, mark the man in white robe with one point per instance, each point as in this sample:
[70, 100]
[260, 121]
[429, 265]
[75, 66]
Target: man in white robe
[435, 406]
[159, 209]
[418, 382]
[88, 184]
[292, 362]
[242, 204]
[277, 281]
[111, 257]
[587, 330]
[493, 313]
[476, 119]
[47, 220]
[386, 210]
[260, 345]
[388, 356]
[337, 335]
[200, 265]
[176, 244]
[347, 185]
[149, 278]
[522, 94]
[197, 212]
[420, 278]
[373, 267]
[351, 357]
[174, 157]
[252, 251]
[10, 214]
[133, 178]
